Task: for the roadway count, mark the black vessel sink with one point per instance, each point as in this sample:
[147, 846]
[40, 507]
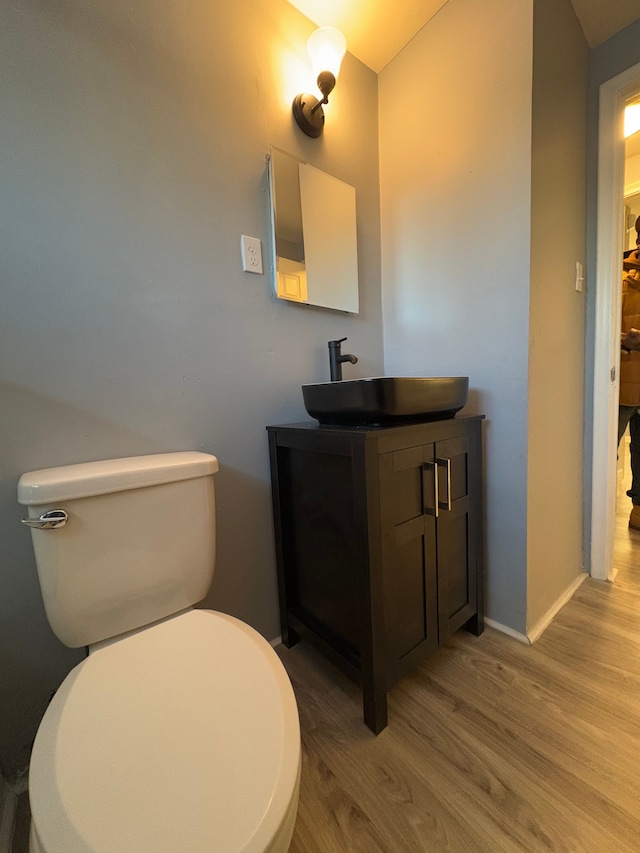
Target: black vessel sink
[385, 400]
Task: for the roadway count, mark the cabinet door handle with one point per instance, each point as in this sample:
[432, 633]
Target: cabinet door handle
[446, 504]
[428, 510]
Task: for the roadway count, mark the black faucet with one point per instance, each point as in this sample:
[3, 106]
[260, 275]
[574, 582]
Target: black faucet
[336, 359]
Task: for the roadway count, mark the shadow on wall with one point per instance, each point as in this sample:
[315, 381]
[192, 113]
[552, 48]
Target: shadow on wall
[37, 431]
[474, 401]
[244, 528]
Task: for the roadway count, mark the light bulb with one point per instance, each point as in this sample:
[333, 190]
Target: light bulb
[326, 47]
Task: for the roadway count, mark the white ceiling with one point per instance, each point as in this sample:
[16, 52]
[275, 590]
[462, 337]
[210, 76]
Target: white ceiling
[376, 30]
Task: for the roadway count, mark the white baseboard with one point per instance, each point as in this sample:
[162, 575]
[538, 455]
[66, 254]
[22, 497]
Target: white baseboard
[275, 642]
[8, 807]
[504, 629]
[534, 633]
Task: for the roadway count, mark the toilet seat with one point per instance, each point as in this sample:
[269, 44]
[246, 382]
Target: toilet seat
[182, 736]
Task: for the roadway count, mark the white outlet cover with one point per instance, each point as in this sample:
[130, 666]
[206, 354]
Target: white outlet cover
[251, 254]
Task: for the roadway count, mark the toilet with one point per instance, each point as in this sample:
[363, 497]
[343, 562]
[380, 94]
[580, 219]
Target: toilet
[179, 731]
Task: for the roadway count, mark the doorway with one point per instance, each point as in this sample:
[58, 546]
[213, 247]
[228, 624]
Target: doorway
[614, 94]
[627, 542]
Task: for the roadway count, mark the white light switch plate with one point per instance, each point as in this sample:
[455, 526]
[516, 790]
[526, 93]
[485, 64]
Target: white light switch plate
[251, 254]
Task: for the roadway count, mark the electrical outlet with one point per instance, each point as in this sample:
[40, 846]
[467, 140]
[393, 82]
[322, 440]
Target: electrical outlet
[579, 277]
[251, 254]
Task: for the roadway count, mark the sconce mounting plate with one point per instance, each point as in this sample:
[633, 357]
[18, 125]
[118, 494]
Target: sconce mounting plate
[308, 114]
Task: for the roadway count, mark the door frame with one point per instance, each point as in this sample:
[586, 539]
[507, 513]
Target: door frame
[612, 97]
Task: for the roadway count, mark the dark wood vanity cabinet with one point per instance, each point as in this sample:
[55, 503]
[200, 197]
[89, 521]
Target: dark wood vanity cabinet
[378, 543]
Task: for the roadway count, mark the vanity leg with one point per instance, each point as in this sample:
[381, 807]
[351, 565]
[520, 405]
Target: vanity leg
[375, 708]
[475, 625]
[374, 695]
[289, 636]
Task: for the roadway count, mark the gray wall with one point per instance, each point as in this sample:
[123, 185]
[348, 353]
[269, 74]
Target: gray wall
[556, 309]
[616, 55]
[483, 219]
[133, 158]
[455, 173]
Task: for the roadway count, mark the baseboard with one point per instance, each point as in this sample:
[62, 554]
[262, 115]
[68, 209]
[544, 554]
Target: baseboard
[504, 629]
[275, 642]
[8, 807]
[542, 624]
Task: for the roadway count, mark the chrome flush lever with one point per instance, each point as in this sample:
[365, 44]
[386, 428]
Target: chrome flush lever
[48, 520]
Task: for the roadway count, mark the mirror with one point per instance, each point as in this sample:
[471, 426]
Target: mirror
[314, 235]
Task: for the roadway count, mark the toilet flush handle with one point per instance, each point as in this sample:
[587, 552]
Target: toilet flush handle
[48, 520]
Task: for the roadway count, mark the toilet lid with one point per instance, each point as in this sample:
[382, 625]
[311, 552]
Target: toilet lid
[183, 736]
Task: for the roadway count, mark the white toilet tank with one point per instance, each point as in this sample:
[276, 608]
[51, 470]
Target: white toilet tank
[139, 543]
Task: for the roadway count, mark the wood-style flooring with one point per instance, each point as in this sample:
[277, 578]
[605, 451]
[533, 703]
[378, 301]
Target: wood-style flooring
[492, 745]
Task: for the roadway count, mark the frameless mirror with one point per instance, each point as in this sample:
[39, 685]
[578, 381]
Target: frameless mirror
[314, 235]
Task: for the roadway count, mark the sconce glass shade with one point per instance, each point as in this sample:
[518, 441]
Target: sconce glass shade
[326, 47]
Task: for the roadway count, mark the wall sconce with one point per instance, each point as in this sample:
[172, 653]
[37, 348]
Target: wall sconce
[326, 48]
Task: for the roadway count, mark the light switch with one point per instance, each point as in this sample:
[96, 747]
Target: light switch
[579, 277]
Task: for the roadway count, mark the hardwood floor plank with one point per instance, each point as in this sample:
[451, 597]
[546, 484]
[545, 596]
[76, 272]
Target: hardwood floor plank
[327, 814]
[554, 724]
[580, 693]
[539, 783]
[387, 788]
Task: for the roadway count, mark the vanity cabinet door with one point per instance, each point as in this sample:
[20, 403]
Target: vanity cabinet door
[456, 534]
[430, 512]
[408, 512]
